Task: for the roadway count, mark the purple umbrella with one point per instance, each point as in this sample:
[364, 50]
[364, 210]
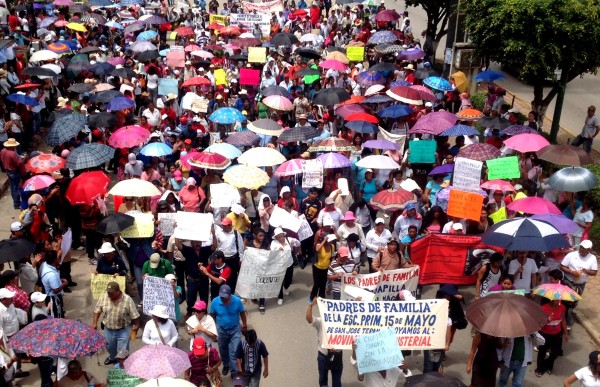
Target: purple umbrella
[120, 103]
[442, 170]
[117, 60]
[334, 160]
[563, 224]
[411, 54]
[513, 130]
[369, 78]
[381, 144]
[434, 123]
[346, 110]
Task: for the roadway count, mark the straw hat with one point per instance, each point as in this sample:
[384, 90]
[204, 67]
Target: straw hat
[11, 143]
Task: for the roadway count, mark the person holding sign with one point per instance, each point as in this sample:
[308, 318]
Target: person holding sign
[110, 262]
[160, 329]
[325, 254]
[230, 242]
[327, 359]
[383, 378]
[201, 324]
[390, 258]
[240, 220]
[157, 267]
[282, 242]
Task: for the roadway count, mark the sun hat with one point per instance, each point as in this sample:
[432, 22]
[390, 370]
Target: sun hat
[106, 248]
[349, 215]
[159, 311]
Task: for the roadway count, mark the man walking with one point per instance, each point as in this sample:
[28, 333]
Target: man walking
[11, 162]
[578, 266]
[591, 127]
[249, 352]
[119, 312]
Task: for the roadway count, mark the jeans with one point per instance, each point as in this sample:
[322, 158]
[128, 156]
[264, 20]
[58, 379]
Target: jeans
[36, 119]
[587, 143]
[14, 179]
[228, 342]
[516, 368]
[336, 375]
[117, 339]
[196, 288]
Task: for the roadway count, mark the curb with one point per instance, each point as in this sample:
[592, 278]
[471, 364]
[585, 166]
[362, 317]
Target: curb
[4, 184]
[588, 326]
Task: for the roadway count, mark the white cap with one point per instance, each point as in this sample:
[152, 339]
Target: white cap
[518, 187]
[379, 220]
[284, 189]
[159, 311]
[327, 221]
[5, 293]
[237, 209]
[37, 297]
[457, 226]
[331, 237]
[278, 231]
[106, 248]
[428, 104]
[586, 244]
[16, 226]
[170, 277]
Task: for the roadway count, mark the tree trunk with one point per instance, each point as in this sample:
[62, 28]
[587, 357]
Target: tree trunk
[537, 105]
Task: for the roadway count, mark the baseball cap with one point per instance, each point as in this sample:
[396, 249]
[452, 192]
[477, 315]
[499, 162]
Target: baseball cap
[586, 244]
[225, 291]
[237, 209]
[217, 255]
[226, 222]
[410, 206]
[343, 251]
[379, 220]
[428, 104]
[112, 287]
[199, 346]
[170, 277]
[37, 297]
[16, 226]
[154, 260]
[5, 293]
[199, 305]
[518, 187]
[457, 226]
[331, 237]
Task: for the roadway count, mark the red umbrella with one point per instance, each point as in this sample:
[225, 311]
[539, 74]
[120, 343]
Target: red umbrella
[128, 137]
[405, 94]
[192, 47]
[353, 99]
[498, 185]
[196, 81]
[184, 159]
[362, 117]
[426, 94]
[209, 160]
[230, 30]
[88, 186]
[387, 15]
[347, 110]
[299, 13]
[45, 163]
[27, 85]
[185, 31]
[392, 199]
[215, 26]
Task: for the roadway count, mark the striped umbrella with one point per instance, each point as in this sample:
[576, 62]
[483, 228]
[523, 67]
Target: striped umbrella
[331, 144]
[469, 114]
[369, 78]
[289, 168]
[59, 48]
[405, 94]
[392, 199]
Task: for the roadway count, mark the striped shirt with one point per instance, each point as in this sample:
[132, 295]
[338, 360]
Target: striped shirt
[117, 315]
[335, 267]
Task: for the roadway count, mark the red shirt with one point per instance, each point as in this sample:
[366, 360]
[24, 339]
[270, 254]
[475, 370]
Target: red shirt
[494, 142]
[13, 22]
[21, 299]
[555, 317]
[170, 113]
[224, 272]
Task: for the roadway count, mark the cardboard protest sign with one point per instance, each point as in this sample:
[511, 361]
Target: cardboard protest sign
[499, 215]
[463, 204]
[220, 77]
[312, 174]
[266, 7]
[218, 19]
[158, 291]
[223, 195]
[166, 223]
[143, 226]
[262, 271]
[257, 54]
[168, 86]
[417, 324]
[100, 281]
[503, 168]
[378, 351]
[422, 151]
[467, 174]
[119, 378]
[247, 21]
[66, 243]
[282, 218]
[193, 226]
[385, 285]
[249, 77]
[355, 54]
[305, 231]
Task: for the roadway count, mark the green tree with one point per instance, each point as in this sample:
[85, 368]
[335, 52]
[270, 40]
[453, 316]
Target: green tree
[536, 38]
[438, 13]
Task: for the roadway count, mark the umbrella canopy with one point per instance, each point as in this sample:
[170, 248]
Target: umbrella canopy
[59, 48]
[123, 72]
[308, 71]
[202, 54]
[460, 81]
[433, 379]
[377, 162]
[506, 315]
[289, 168]
[524, 234]
[38, 182]
[443, 169]
[334, 160]
[513, 130]
[278, 102]
[61, 338]
[370, 78]
[81, 87]
[573, 179]
[378, 98]
[89, 156]
[103, 87]
[307, 53]
[245, 138]
[102, 120]
[22, 99]
[208, 160]
[395, 111]
[383, 66]
[362, 117]
[114, 223]
[494, 122]
[387, 15]
[434, 123]
[142, 45]
[284, 39]
[184, 31]
[85, 188]
[534, 205]
[384, 36]
[560, 222]
[266, 126]
[438, 83]
[38, 72]
[102, 69]
[333, 65]
[224, 149]
[246, 176]
[381, 144]
[147, 35]
[460, 130]
[106, 96]
[45, 163]
[556, 292]
[331, 96]
[298, 133]
[153, 361]
[481, 152]
[227, 115]
[392, 199]
[77, 27]
[196, 81]
[156, 149]
[120, 103]
[469, 114]
[261, 157]
[345, 110]
[65, 128]
[526, 142]
[166, 382]
[13, 250]
[411, 54]
[362, 127]
[275, 90]
[148, 55]
[43, 55]
[489, 76]
[565, 155]
[498, 185]
[405, 94]
[134, 187]
[331, 144]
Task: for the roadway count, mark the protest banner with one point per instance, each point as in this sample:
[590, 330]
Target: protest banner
[223, 195]
[467, 174]
[193, 226]
[66, 243]
[305, 231]
[257, 54]
[199, 105]
[249, 77]
[417, 324]
[247, 21]
[503, 168]
[158, 291]
[422, 151]
[385, 285]
[168, 86]
[176, 59]
[355, 292]
[267, 7]
[143, 226]
[378, 351]
[262, 271]
[443, 258]
[119, 378]
[166, 223]
[220, 77]
[312, 174]
[218, 19]
[100, 281]
[463, 204]
[355, 54]
[282, 218]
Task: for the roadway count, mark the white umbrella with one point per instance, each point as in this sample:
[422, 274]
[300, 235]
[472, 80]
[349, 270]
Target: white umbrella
[573, 179]
[261, 157]
[135, 188]
[377, 162]
[43, 55]
[166, 382]
[246, 35]
[53, 67]
[314, 38]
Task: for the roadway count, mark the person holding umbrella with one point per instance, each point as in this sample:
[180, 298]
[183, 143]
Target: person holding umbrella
[553, 332]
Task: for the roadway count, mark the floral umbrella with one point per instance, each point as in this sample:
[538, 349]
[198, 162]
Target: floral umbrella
[153, 361]
[209, 160]
[45, 163]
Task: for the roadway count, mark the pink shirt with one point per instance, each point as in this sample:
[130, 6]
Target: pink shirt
[191, 199]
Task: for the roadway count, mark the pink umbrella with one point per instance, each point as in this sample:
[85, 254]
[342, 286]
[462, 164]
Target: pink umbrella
[184, 159]
[202, 54]
[289, 168]
[278, 102]
[153, 361]
[333, 64]
[434, 123]
[38, 182]
[349, 109]
[534, 205]
[498, 185]
[526, 142]
[128, 137]
[405, 94]
[334, 160]
[426, 94]
[61, 23]
[192, 47]
[65, 3]
[117, 60]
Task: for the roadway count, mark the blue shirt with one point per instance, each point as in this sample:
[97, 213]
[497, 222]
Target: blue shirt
[227, 316]
[50, 279]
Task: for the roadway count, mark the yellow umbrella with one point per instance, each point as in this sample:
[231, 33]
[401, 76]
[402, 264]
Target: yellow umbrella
[135, 188]
[460, 81]
[338, 56]
[246, 176]
[77, 27]
[261, 157]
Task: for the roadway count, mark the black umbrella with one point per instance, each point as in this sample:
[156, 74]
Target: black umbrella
[423, 73]
[298, 133]
[57, 114]
[308, 71]
[123, 72]
[433, 379]
[12, 250]
[308, 53]
[81, 88]
[89, 49]
[102, 68]
[102, 120]
[148, 55]
[114, 223]
[38, 72]
[494, 122]
[383, 67]
[330, 97]
[5, 43]
[284, 39]
[275, 90]
[338, 49]
[106, 96]
[79, 8]
[241, 57]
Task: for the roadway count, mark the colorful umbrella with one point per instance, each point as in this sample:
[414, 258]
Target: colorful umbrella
[556, 292]
[534, 205]
[22, 99]
[339, 56]
[112, 23]
[266, 126]
[438, 83]
[38, 182]
[147, 35]
[202, 54]
[460, 130]
[354, 99]
[381, 144]
[59, 48]
[434, 123]
[142, 45]
[573, 179]
[77, 27]
[224, 149]
[346, 110]
[65, 128]
[411, 54]
[392, 199]
[481, 152]
[334, 160]
[565, 155]
[88, 186]
[369, 78]
[261, 157]
[333, 64]
[45, 163]
[560, 222]
[89, 156]
[524, 234]
[377, 162]
[425, 93]
[134, 187]
[153, 361]
[208, 160]
[298, 133]
[362, 117]
[331, 144]
[156, 149]
[513, 130]
[215, 26]
[443, 169]
[527, 142]
[227, 115]
[289, 168]
[405, 94]
[278, 102]
[245, 138]
[498, 185]
[184, 31]
[196, 81]
[382, 37]
[246, 176]
[120, 103]
[469, 115]
[230, 31]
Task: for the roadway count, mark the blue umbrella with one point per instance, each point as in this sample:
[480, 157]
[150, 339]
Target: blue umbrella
[369, 78]
[164, 52]
[72, 44]
[102, 68]
[114, 24]
[120, 103]
[524, 234]
[400, 83]
[130, 2]
[382, 37]
[460, 130]
[395, 111]
[156, 149]
[100, 3]
[227, 115]
[22, 99]
[380, 98]
[489, 76]
[438, 83]
[224, 149]
[147, 35]
[362, 127]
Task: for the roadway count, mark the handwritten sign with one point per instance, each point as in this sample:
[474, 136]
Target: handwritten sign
[312, 174]
[223, 195]
[200, 105]
[249, 77]
[417, 324]
[219, 19]
[503, 168]
[267, 7]
[355, 54]
[282, 218]
[305, 231]
[143, 226]
[499, 215]
[385, 285]
[158, 291]
[220, 77]
[257, 54]
[465, 205]
[168, 86]
[378, 351]
[247, 21]
[166, 223]
[119, 378]
[100, 281]
[193, 226]
[467, 174]
[422, 152]
[262, 272]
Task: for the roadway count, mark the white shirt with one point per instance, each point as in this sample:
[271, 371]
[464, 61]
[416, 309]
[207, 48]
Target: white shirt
[374, 379]
[582, 217]
[374, 241]
[587, 379]
[168, 331]
[575, 261]
[9, 320]
[152, 81]
[207, 322]
[335, 216]
[226, 242]
[523, 280]
[154, 117]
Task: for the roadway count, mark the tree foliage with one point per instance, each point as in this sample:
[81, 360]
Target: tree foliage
[438, 12]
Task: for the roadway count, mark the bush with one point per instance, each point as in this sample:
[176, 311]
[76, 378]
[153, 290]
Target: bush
[478, 101]
[594, 193]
